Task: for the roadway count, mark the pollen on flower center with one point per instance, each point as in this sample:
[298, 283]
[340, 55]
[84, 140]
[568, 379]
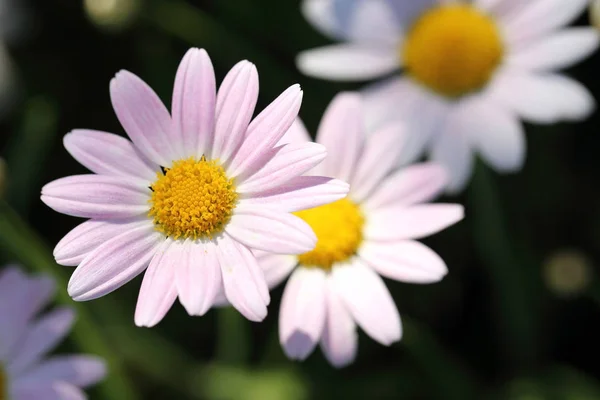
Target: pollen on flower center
[338, 227]
[192, 199]
[453, 49]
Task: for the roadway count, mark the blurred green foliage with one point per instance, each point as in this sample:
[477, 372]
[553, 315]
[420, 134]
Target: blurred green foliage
[494, 328]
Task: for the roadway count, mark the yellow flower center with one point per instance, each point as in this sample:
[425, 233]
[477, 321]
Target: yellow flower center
[192, 199]
[453, 49]
[338, 227]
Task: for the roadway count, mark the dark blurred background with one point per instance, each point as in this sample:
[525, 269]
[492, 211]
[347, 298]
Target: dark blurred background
[516, 318]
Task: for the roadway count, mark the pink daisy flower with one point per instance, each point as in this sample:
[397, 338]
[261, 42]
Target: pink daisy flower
[25, 339]
[190, 195]
[336, 286]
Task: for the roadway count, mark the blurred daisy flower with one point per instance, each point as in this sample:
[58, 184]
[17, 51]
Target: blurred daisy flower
[190, 195]
[25, 339]
[472, 70]
[336, 286]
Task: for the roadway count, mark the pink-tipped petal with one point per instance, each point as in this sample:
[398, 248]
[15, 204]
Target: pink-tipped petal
[78, 370]
[85, 237]
[271, 230]
[115, 263]
[380, 156]
[199, 276]
[194, 102]
[235, 105]
[41, 337]
[96, 196]
[415, 222]
[342, 132]
[265, 131]
[302, 314]
[339, 341]
[296, 134]
[158, 291]
[404, 261]
[276, 267]
[290, 161]
[109, 154]
[368, 301]
[46, 391]
[300, 193]
[66, 391]
[144, 117]
[418, 183]
[243, 280]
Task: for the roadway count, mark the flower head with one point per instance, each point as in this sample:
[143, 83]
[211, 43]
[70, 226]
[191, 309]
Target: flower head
[191, 195]
[336, 286]
[25, 339]
[471, 71]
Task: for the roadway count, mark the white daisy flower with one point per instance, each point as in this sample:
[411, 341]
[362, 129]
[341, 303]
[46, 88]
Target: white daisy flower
[336, 286]
[472, 70]
[25, 339]
[190, 195]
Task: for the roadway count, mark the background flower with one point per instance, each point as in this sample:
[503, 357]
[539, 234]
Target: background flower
[471, 70]
[26, 372]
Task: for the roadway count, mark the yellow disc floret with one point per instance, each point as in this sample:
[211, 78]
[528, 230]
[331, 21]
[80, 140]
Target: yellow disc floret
[192, 199]
[338, 227]
[453, 49]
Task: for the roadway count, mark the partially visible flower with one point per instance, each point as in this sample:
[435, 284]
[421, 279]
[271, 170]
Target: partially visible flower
[472, 70]
[190, 195]
[26, 372]
[337, 285]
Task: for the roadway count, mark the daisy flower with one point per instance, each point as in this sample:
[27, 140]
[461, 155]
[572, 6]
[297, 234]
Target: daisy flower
[336, 286]
[25, 339]
[190, 195]
[472, 70]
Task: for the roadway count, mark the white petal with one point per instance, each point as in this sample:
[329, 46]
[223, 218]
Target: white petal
[542, 98]
[495, 132]
[373, 22]
[302, 314]
[289, 161]
[85, 237]
[559, 50]
[541, 17]
[300, 193]
[199, 276]
[236, 100]
[108, 154]
[115, 263]
[380, 156]
[158, 291]
[418, 183]
[348, 62]
[144, 117]
[414, 222]
[342, 132]
[276, 267]
[452, 150]
[296, 134]
[271, 230]
[369, 301]
[339, 341]
[243, 280]
[194, 102]
[404, 261]
[321, 14]
[42, 336]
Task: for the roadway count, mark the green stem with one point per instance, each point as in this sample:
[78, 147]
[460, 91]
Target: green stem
[507, 274]
[19, 241]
